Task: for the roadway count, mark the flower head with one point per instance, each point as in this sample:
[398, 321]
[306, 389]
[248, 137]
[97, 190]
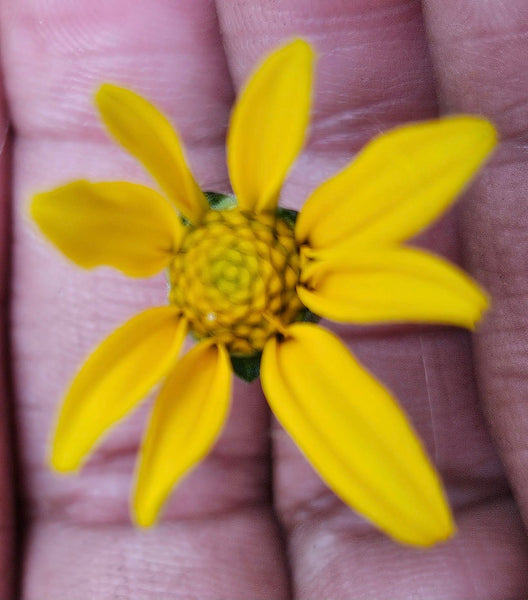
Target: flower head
[235, 278]
[246, 281]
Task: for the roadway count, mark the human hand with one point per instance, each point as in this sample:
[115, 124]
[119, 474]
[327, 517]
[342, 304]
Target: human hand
[227, 532]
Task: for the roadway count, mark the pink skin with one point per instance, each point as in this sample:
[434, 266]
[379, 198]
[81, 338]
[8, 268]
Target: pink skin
[227, 533]
[7, 521]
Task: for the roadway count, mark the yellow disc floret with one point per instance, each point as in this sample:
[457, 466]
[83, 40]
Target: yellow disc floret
[235, 278]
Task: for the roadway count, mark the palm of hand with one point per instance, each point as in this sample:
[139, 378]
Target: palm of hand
[228, 532]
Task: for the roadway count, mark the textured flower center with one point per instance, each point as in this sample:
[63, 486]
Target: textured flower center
[235, 278]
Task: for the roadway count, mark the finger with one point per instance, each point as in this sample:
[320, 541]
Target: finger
[57, 54]
[373, 73]
[479, 54]
[7, 516]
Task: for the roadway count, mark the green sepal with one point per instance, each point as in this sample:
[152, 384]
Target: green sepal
[219, 201]
[307, 316]
[288, 215]
[246, 368]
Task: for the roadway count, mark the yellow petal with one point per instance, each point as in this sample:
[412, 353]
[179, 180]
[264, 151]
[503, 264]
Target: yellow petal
[352, 431]
[393, 284]
[123, 225]
[268, 125]
[399, 184]
[186, 420]
[113, 380]
[147, 134]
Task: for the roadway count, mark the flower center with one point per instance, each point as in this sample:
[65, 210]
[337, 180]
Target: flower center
[235, 278]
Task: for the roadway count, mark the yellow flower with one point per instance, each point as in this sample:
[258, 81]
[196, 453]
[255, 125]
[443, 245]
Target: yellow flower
[241, 280]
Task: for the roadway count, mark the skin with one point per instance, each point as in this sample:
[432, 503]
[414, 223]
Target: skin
[254, 521]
